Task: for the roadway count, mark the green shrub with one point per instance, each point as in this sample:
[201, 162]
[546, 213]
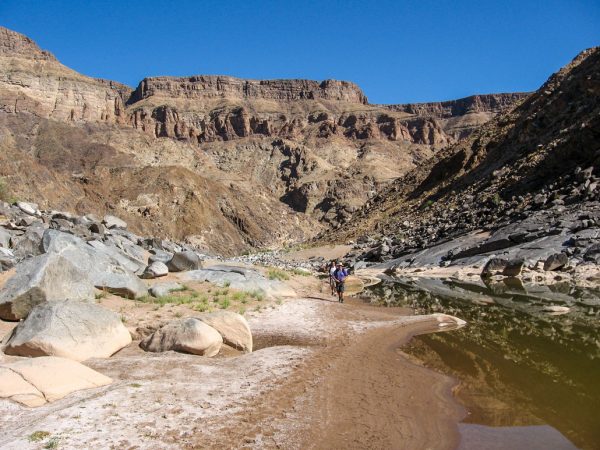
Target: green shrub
[37, 436]
[300, 272]
[224, 303]
[277, 274]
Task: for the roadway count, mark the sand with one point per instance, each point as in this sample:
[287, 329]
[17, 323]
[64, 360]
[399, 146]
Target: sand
[324, 375]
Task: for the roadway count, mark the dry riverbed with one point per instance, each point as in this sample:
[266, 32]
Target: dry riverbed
[323, 375]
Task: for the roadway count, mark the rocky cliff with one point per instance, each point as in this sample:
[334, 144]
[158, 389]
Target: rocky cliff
[301, 149]
[524, 183]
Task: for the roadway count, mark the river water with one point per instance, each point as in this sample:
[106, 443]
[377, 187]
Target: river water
[529, 379]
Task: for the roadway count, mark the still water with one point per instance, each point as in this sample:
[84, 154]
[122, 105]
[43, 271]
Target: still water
[528, 378]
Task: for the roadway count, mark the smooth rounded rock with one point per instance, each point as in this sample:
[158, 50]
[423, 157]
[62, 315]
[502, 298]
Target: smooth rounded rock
[187, 335]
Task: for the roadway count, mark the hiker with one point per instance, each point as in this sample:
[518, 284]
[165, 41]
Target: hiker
[332, 282]
[340, 276]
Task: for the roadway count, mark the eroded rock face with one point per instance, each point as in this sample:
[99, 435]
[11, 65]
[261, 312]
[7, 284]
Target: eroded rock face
[41, 279]
[233, 328]
[187, 335]
[37, 381]
[68, 329]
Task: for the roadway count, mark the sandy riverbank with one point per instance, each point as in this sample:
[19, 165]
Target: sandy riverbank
[323, 375]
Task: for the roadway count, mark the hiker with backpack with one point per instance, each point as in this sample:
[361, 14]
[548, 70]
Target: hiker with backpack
[332, 282]
[340, 274]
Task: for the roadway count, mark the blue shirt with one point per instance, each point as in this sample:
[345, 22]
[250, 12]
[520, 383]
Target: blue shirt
[340, 274]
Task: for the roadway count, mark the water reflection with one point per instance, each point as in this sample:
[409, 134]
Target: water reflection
[518, 364]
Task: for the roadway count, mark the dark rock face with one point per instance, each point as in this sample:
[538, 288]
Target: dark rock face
[556, 261]
[525, 186]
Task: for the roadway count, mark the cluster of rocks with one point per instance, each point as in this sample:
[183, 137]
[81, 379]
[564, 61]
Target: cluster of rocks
[561, 220]
[276, 258]
[54, 264]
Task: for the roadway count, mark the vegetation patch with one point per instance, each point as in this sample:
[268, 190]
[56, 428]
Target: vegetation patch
[37, 436]
[278, 274]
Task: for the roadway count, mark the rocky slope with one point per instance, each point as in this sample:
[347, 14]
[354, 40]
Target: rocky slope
[183, 157]
[525, 185]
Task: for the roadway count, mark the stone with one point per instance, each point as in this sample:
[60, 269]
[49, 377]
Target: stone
[183, 261]
[103, 270]
[43, 278]
[556, 309]
[186, 335]
[513, 268]
[68, 329]
[233, 328]
[97, 228]
[164, 289]
[155, 270]
[592, 254]
[37, 381]
[125, 256]
[160, 255]
[28, 208]
[240, 278]
[493, 266]
[7, 259]
[5, 238]
[29, 244]
[113, 222]
[556, 261]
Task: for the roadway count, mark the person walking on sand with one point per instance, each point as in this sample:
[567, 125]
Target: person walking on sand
[332, 282]
[340, 276]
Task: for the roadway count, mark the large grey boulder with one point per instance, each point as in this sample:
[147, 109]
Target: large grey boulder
[134, 264]
[160, 255]
[43, 278]
[186, 260]
[104, 271]
[28, 244]
[592, 254]
[73, 330]
[113, 222]
[233, 328]
[155, 270]
[186, 335]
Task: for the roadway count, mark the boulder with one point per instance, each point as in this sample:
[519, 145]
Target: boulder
[37, 381]
[493, 266]
[187, 335]
[29, 208]
[164, 289]
[104, 271]
[28, 244]
[5, 237]
[43, 278]
[556, 261]
[592, 254]
[186, 260]
[7, 259]
[160, 255]
[155, 270]
[73, 330]
[240, 278]
[513, 268]
[113, 222]
[130, 260]
[233, 328]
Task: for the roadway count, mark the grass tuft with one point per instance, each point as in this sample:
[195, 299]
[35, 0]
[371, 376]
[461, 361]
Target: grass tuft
[277, 274]
[37, 436]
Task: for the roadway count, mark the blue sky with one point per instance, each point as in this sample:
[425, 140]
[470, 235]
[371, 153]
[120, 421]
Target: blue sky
[397, 51]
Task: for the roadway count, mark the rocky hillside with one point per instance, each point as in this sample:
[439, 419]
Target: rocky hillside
[184, 157]
[528, 179]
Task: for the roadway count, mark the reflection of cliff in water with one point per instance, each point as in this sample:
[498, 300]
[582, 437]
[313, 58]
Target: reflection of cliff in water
[517, 364]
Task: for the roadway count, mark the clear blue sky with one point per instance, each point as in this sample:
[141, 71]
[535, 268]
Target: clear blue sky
[397, 51]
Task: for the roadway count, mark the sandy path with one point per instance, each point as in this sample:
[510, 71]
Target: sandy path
[325, 375]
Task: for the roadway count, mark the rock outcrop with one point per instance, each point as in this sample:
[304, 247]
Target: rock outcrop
[68, 329]
[187, 335]
[299, 150]
[525, 186]
[37, 381]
